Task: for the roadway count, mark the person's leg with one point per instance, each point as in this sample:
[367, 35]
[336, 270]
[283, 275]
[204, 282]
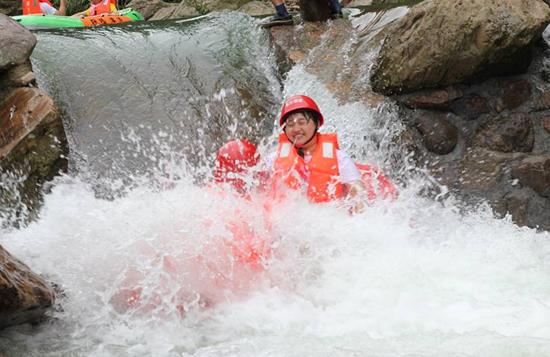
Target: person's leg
[280, 8]
[335, 7]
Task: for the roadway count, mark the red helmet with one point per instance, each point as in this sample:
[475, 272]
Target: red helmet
[297, 102]
[233, 158]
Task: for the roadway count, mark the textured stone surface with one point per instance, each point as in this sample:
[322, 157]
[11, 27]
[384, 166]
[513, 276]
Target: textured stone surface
[32, 145]
[24, 295]
[470, 107]
[443, 42]
[440, 99]
[257, 8]
[174, 12]
[438, 134]
[515, 93]
[148, 8]
[534, 171]
[16, 43]
[507, 134]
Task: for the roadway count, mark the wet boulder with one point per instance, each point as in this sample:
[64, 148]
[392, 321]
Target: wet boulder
[507, 134]
[444, 42]
[24, 295]
[33, 149]
[534, 172]
[16, 43]
[439, 135]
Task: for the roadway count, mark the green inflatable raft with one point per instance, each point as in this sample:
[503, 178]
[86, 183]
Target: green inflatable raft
[53, 21]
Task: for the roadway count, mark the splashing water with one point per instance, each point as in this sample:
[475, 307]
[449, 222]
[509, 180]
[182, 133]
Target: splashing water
[407, 278]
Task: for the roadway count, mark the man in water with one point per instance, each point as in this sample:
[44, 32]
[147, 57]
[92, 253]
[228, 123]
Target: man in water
[311, 161]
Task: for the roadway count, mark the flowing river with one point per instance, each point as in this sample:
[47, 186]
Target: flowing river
[145, 107]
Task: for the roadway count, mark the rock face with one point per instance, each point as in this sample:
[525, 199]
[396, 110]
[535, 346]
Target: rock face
[33, 146]
[32, 139]
[487, 141]
[10, 7]
[174, 12]
[148, 8]
[24, 295]
[16, 43]
[502, 148]
[444, 42]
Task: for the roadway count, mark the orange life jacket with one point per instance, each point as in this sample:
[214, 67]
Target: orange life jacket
[103, 7]
[33, 6]
[320, 174]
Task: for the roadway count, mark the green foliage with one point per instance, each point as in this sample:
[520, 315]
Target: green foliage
[74, 6]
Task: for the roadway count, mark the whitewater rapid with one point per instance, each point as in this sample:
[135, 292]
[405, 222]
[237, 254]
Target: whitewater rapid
[414, 277]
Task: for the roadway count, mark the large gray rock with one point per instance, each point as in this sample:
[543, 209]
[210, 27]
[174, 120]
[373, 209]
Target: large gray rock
[257, 8]
[24, 295]
[148, 8]
[175, 12]
[16, 43]
[444, 42]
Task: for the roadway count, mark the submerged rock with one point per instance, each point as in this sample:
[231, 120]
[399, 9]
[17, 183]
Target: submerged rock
[24, 295]
[444, 42]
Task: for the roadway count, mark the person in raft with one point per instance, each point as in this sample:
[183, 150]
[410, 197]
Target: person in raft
[99, 7]
[43, 7]
[308, 160]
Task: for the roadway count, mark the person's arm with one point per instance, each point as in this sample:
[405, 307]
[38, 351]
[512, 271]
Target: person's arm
[351, 179]
[62, 8]
[82, 13]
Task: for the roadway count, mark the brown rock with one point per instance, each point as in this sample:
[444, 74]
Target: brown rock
[471, 106]
[439, 99]
[16, 43]
[482, 170]
[546, 124]
[438, 134]
[18, 76]
[515, 93]
[147, 8]
[32, 145]
[24, 296]
[534, 171]
[513, 133]
[542, 101]
[21, 113]
[174, 12]
[257, 8]
[516, 207]
[444, 42]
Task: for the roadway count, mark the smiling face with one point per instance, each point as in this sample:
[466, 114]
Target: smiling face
[300, 128]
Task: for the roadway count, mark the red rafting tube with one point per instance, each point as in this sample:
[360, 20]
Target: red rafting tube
[376, 183]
